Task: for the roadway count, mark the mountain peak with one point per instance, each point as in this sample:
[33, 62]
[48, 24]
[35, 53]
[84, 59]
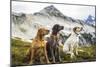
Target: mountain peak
[90, 20]
[50, 8]
[50, 11]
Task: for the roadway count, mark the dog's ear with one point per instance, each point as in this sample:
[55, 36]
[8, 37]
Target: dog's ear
[55, 27]
[39, 31]
[81, 28]
[74, 29]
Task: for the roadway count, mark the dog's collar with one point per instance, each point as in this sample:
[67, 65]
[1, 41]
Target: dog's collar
[54, 37]
[40, 40]
[76, 33]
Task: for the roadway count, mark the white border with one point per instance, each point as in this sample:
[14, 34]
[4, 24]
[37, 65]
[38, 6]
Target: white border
[5, 33]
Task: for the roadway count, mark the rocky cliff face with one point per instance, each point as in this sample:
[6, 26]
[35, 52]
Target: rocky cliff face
[26, 25]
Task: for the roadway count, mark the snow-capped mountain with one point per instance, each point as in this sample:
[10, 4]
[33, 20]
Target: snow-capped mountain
[26, 25]
[90, 20]
[50, 11]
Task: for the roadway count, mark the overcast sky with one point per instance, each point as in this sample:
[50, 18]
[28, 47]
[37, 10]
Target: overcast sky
[75, 11]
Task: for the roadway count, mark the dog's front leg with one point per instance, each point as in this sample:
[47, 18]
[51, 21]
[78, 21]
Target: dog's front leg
[47, 59]
[31, 57]
[76, 49]
[58, 54]
[72, 52]
[52, 53]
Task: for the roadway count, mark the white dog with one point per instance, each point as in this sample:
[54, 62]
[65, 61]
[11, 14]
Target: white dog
[72, 43]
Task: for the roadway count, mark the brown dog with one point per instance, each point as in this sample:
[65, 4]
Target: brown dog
[37, 52]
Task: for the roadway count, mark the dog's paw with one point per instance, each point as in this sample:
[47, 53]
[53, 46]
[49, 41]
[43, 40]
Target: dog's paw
[72, 55]
[30, 62]
[48, 62]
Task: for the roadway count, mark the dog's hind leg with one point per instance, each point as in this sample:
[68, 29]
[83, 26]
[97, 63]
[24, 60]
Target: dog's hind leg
[76, 51]
[71, 53]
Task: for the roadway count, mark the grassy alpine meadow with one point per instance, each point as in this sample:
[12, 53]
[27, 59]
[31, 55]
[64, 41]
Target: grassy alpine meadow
[20, 48]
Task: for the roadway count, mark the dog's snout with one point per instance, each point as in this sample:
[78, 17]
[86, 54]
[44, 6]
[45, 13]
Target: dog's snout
[81, 28]
[48, 30]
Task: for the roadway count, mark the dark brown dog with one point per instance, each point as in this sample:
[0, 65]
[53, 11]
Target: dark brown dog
[53, 44]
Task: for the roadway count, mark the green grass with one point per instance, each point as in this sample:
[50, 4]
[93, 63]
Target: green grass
[88, 54]
[19, 50]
